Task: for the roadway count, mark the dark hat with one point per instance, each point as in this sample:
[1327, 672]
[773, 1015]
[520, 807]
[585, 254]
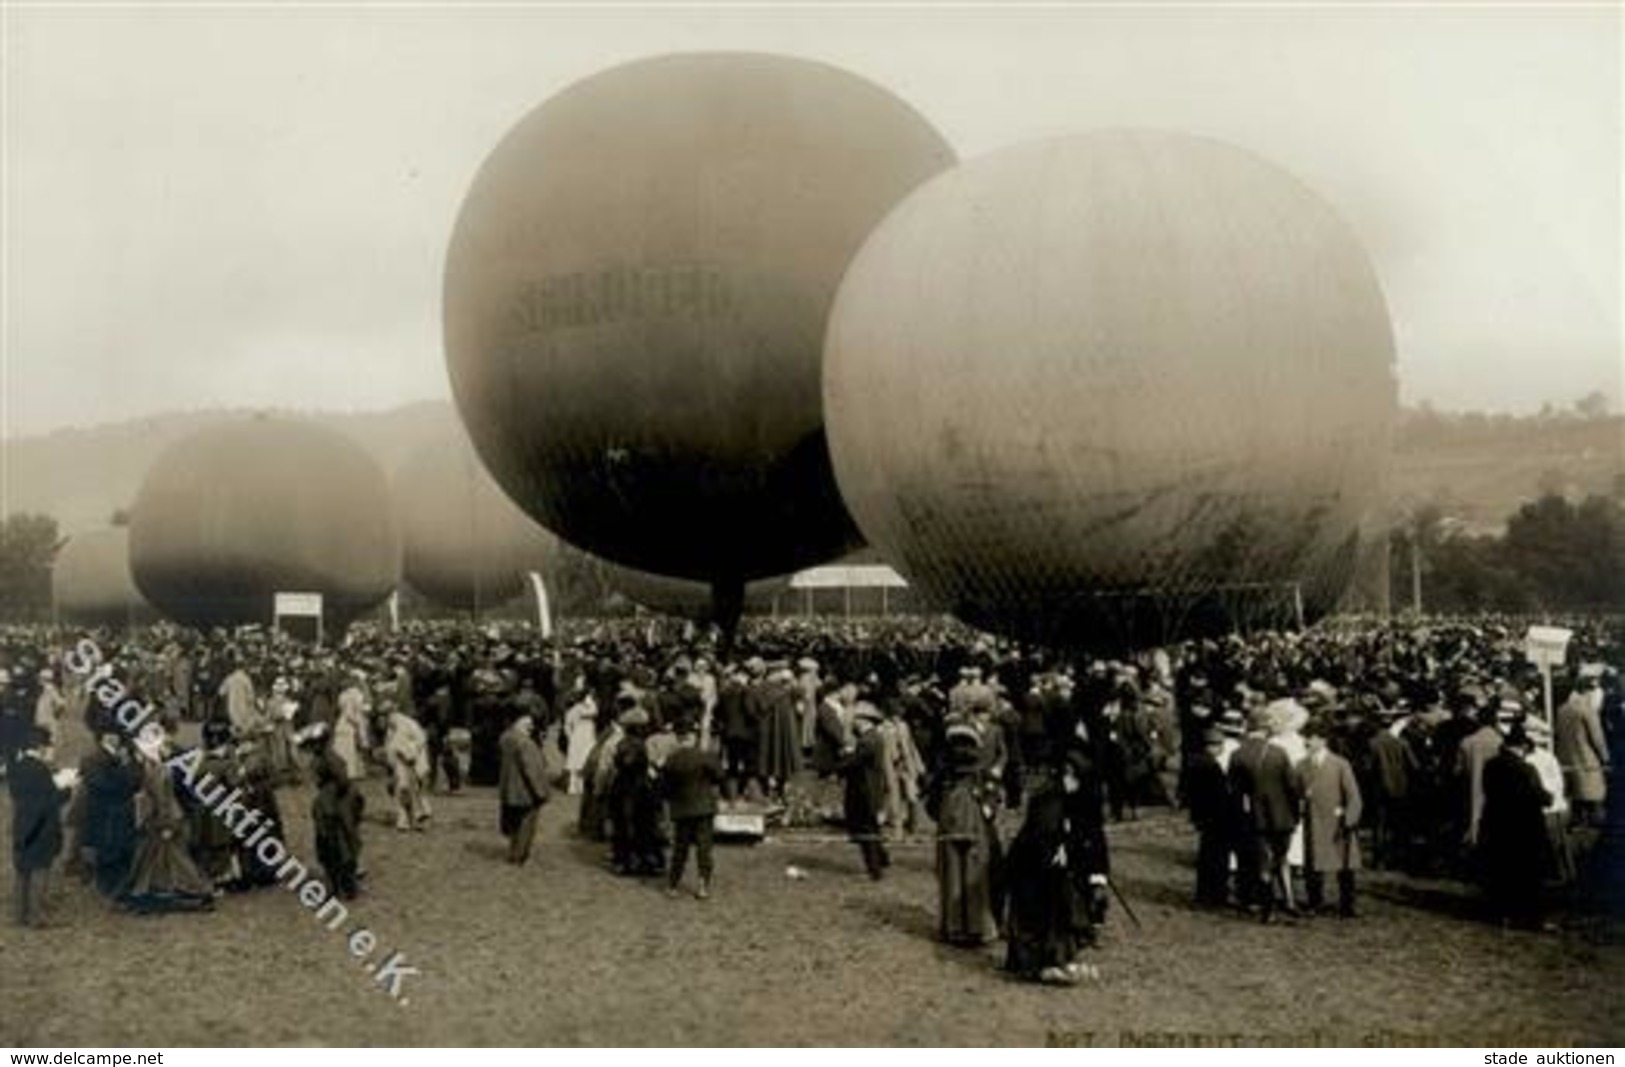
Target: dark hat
[216, 733]
[1078, 762]
[1518, 738]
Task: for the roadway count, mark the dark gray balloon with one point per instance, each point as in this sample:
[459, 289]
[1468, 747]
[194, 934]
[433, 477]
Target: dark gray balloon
[231, 515]
[635, 299]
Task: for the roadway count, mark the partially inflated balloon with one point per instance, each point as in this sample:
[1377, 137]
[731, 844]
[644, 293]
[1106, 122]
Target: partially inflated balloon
[1112, 386]
[236, 513]
[91, 583]
[635, 299]
[465, 544]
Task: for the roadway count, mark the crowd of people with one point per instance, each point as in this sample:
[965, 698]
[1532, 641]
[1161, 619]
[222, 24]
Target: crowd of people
[1294, 754]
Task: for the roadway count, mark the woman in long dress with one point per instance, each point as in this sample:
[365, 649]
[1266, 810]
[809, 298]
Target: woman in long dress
[779, 757]
[162, 875]
[1050, 919]
[1557, 809]
[580, 735]
[965, 838]
[214, 846]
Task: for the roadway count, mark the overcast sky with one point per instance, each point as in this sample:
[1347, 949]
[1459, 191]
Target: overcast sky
[250, 207]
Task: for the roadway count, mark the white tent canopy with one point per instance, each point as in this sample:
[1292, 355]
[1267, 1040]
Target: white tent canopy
[854, 576]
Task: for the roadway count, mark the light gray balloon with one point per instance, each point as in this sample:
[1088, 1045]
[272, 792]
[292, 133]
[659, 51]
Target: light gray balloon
[1110, 386]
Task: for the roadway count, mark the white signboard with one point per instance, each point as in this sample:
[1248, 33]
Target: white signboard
[1545, 646]
[298, 605]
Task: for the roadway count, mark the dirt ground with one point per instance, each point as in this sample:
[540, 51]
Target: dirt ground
[564, 952]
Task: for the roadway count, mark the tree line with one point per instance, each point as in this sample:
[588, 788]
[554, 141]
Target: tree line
[1555, 555]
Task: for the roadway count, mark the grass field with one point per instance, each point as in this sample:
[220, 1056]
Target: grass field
[563, 952]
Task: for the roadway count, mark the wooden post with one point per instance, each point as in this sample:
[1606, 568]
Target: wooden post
[1416, 568]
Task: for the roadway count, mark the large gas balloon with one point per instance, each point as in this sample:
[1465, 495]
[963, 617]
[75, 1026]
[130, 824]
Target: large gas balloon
[635, 299]
[466, 545]
[1112, 386]
[91, 583]
[236, 513]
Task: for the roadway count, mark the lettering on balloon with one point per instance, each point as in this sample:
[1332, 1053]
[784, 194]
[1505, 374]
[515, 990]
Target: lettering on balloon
[586, 299]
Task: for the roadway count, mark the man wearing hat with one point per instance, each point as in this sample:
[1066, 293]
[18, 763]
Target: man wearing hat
[864, 766]
[1268, 794]
[521, 787]
[1393, 766]
[1207, 795]
[1581, 748]
[691, 779]
[1512, 844]
[13, 726]
[1331, 815]
[1476, 750]
[636, 848]
[36, 825]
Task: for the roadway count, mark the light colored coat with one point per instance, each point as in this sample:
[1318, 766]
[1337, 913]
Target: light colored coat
[1331, 803]
[580, 733]
[241, 708]
[406, 747]
[1579, 745]
[350, 733]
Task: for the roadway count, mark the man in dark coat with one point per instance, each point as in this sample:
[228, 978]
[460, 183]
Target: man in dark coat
[1207, 794]
[1513, 847]
[14, 720]
[864, 766]
[335, 816]
[36, 824]
[737, 731]
[691, 777]
[1269, 795]
[635, 843]
[521, 787]
[111, 781]
[1393, 765]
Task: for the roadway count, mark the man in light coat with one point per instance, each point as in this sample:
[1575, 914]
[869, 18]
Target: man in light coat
[406, 751]
[1582, 750]
[242, 708]
[521, 787]
[1476, 750]
[1331, 803]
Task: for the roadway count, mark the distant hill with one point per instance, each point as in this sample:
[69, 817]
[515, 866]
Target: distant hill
[1478, 468]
